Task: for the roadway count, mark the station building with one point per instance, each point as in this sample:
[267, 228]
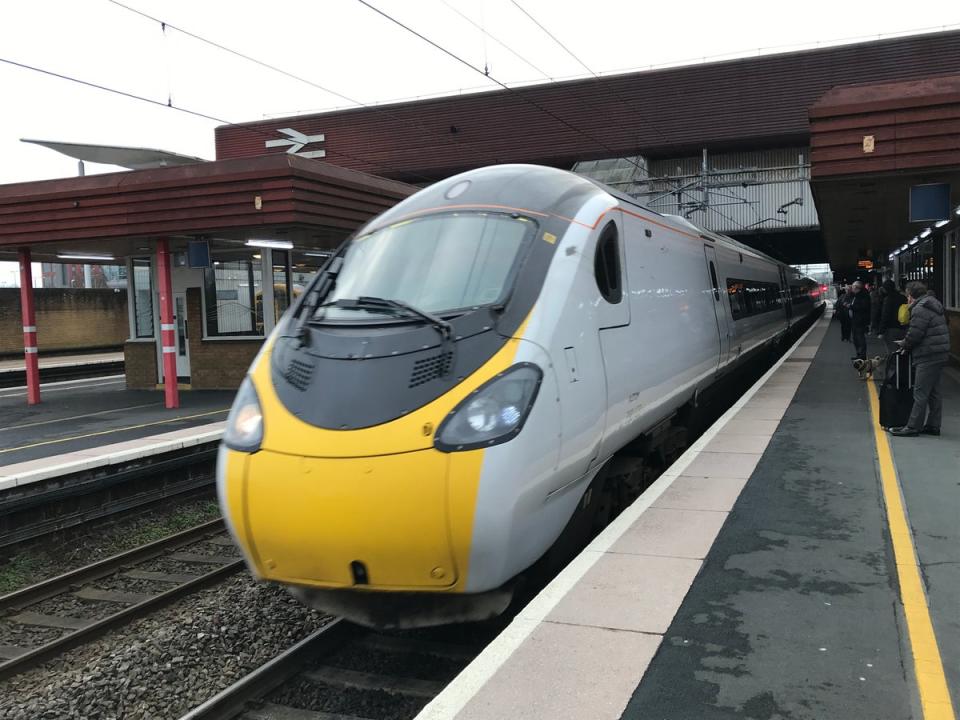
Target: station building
[810, 156]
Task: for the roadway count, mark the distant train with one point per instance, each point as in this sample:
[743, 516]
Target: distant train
[452, 393]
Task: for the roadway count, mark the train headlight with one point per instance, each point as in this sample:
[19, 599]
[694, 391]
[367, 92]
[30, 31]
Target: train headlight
[245, 423]
[493, 413]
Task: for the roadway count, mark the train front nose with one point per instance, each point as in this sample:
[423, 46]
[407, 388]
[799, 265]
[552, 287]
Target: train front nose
[379, 522]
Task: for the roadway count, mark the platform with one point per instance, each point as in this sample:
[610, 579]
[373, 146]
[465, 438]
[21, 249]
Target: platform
[84, 423]
[61, 367]
[766, 574]
[52, 361]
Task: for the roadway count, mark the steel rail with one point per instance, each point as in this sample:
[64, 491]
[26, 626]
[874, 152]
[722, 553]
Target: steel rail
[230, 702]
[33, 594]
[40, 654]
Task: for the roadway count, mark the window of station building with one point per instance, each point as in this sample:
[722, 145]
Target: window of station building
[142, 295]
[606, 265]
[951, 266]
[752, 297]
[233, 299]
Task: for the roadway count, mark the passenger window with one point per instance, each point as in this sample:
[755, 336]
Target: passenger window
[716, 285]
[606, 265]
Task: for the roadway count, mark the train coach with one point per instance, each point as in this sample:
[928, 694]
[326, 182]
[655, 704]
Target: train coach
[473, 380]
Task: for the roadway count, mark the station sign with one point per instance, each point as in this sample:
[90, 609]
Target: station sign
[930, 201]
[296, 141]
[865, 264]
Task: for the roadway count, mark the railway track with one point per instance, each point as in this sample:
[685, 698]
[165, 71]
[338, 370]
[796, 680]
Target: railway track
[346, 672]
[43, 620]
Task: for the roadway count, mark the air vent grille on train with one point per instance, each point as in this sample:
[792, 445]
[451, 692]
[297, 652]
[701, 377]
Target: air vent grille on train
[430, 368]
[298, 374]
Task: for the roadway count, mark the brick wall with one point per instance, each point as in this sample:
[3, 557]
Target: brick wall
[140, 359]
[215, 364]
[67, 319]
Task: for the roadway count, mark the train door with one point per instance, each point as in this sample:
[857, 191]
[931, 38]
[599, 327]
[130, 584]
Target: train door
[617, 347]
[719, 308]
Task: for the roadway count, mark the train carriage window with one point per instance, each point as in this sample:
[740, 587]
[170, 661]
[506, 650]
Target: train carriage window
[606, 265]
[753, 297]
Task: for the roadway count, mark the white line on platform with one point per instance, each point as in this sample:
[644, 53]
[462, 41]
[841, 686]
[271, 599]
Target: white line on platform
[65, 385]
[455, 696]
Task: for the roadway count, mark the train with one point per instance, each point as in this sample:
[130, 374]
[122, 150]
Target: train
[473, 379]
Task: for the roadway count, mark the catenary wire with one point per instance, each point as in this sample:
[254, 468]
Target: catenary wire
[496, 40]
[195, 113]
[299, 78]
[621, 100]
[533, 103]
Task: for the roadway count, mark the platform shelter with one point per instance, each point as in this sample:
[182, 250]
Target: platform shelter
[214, 253]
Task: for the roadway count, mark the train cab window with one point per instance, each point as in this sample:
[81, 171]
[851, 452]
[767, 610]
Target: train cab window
[713, 279]
[606, 265]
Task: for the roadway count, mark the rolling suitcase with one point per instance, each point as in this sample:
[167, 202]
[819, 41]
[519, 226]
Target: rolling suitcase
[896, 392]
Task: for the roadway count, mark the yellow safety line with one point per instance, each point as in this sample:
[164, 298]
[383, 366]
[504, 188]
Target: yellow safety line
[928, 666]
[114, 430]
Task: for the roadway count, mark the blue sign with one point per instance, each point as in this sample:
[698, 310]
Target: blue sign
[929, 202]
[198, 253]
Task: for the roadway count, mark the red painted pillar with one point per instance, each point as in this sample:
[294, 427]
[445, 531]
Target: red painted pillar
[167, 341]
[29, 328]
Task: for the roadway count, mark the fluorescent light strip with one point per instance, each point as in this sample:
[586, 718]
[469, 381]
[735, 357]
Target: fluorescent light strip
[272, 244]
[80, 256]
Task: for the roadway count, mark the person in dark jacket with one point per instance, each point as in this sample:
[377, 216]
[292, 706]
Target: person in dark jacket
[928, 342]
[843, 311]
[859, 319]
[876, 305]
[892, 300]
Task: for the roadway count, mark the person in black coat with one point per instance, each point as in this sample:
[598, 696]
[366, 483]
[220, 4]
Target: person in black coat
[843, 311]
[876, 305]
[928, 342]
[859, 319]
[892, 300]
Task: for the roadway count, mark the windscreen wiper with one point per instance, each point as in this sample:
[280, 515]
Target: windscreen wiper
[369, 302]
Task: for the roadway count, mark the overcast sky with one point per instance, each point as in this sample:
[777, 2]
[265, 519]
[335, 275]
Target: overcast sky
[348, 48]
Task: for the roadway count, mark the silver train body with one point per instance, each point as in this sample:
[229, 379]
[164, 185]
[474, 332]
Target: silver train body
[624, 315]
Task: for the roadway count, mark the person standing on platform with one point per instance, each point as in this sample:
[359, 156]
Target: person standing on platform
[928, 342]
[859, 319]
[892, 300]
[843, 312]
[876, 305]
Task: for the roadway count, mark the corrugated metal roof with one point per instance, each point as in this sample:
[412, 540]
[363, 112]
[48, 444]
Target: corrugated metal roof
[752, 102]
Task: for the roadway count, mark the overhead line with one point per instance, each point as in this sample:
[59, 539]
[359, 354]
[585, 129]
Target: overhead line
[621, 100]
[496, 40]
[553, 37]
[300, 78]
[506, 87]
[170, 106]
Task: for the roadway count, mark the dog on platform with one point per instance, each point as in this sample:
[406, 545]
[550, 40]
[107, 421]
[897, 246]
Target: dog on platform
[866, 367]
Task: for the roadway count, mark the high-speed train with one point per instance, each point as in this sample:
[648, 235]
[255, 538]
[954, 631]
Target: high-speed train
[446, 400]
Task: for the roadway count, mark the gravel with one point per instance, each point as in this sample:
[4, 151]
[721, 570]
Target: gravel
[67, 605]
[361, 703]
[396, 664]
[98, 541]
[162, 666]
[27, 636]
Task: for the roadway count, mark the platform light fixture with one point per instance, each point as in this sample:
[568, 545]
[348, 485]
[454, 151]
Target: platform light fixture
[941, 223]
[272, 244]
[904, 248]
[914, 241]
[925, 233]
[84, 256]
[957, 211]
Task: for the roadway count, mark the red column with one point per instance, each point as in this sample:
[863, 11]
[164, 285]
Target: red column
[29, 328]
[167, 341]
